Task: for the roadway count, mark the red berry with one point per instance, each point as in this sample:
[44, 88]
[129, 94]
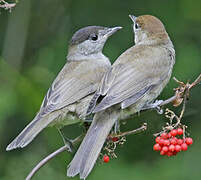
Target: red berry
[166, 142]
[179, 131]
[175, 153]
[157, 139]
[180, 141]
[184, 147]
[164, 135]
[189, 141]
[169, 153]
[106, 158]
[177, 148]
[173, 132]
[157, 147]
[169, 135]
[162, 153]
[173, 141]
[161, 142]
[171, 147]
[165, 149]
[114, 139]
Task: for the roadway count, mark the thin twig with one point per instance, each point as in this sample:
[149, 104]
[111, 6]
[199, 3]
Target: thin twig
[181, 95]
[5, 5]
[181, 90]
[135, 131]
[52, 155]
[45, 160]
[168, 101]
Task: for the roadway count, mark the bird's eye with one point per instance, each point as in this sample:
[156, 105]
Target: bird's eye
[94, 37]
[137, 26]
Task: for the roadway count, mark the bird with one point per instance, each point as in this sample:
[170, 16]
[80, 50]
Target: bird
[67, 99]
[134, 81]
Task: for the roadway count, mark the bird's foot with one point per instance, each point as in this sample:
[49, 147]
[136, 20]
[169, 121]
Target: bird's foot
[68, 142]
[155, 105]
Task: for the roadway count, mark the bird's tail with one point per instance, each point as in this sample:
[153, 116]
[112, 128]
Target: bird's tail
[30, 132]
[92, 144]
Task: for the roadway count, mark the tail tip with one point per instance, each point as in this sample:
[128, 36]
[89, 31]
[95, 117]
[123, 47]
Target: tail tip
[10, 147]
[13, 145]
[72, 171]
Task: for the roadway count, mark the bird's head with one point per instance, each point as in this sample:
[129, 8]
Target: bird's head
[91, 40]
[148, 29]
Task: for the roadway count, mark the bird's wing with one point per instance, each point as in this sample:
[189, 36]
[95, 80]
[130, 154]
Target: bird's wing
[76, 80]
[132, 76]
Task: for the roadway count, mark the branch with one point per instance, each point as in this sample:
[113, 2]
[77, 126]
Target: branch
[135, 131]
[52, 155]
[7, 6]
[181, 93]
[45, 160]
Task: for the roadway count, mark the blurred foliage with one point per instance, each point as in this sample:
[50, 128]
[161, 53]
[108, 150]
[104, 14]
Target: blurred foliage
[33, 47]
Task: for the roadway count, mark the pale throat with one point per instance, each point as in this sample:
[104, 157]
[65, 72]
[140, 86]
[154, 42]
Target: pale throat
[143, 39]
[75, 54]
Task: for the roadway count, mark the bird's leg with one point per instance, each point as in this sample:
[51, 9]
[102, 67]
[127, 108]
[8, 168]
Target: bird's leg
[88, 119]
[86, 126]
[68, 142]
[87, 122]
[117, 127]
[155, 105]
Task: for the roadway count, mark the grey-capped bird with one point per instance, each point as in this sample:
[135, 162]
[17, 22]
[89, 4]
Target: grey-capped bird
[69, 95]
[136, 78]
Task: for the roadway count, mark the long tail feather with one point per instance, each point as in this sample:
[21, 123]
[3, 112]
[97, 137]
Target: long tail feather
[30, 132]
[92, 144]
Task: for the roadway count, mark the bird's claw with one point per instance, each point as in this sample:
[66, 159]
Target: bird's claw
[155, 105]
[68, 142]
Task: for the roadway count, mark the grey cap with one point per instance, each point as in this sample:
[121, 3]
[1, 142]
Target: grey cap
[84, 34]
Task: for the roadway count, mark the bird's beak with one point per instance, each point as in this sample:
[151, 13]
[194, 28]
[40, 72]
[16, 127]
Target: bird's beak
[111, 31]
[133, 18]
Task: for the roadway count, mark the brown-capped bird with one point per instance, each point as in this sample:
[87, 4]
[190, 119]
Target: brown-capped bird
[136, 78]
[69, 95]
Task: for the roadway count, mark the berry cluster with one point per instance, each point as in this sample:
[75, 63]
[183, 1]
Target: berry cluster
[168, 144]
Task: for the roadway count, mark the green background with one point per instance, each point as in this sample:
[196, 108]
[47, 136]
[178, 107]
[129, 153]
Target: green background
[33, 48]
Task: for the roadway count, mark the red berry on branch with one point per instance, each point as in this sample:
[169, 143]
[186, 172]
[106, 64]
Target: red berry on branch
[171, 148]
[157, 139]
[174, 153]
[177, 148]
[162, 153]
[173, 141]
[180, 131]
[169, 153]
[164, 135]
[166, 142]
[157, 147]
[189, 141]
[115, 139]
[169, 135]
[161, 142]
[165, 149]
[180, 141]
[184, 147]
[173, 132]
[106, 158]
